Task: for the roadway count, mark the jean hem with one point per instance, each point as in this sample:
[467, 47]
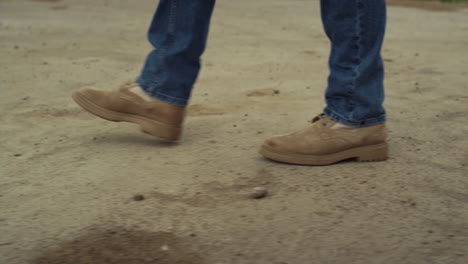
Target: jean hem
[163, 97]
[364, 123]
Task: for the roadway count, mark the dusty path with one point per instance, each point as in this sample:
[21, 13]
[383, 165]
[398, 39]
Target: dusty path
[67, 179]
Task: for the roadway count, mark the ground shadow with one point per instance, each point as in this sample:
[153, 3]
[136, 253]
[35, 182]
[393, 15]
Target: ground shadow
[120, 246]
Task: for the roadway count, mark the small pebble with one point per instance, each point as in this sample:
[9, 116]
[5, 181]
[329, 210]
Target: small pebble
[165, 248]
[258, 193]
[138, 197]
[276, 91]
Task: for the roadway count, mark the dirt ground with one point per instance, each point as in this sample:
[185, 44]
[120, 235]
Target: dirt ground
[77, 189]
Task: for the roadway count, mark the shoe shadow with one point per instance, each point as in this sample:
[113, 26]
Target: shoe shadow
[134, 139]
[342, 162]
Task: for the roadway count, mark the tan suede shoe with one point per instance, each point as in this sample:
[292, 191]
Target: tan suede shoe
[156, 118]
[320, 144]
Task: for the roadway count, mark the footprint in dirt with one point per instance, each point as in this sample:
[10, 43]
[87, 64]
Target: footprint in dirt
[122, 246]
[203, 110]
[263, 92]
[44, 111]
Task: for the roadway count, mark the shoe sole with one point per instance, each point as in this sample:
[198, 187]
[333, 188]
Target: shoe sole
[148, 126]
[370, 153]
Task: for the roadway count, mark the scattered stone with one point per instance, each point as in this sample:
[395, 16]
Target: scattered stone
[18, 155]
[138, 197]
[16, 47]
[164, 247]
[276, 91]
[258, 192]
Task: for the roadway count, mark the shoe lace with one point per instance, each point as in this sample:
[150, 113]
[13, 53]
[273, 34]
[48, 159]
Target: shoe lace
[318, 118]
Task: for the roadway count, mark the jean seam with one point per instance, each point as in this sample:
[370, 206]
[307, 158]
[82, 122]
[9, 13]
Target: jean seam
[155, 82]
[357, 61]
[171, 26]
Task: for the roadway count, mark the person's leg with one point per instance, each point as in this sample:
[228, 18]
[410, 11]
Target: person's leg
[178, 33]
[352, 125]
[355, 90]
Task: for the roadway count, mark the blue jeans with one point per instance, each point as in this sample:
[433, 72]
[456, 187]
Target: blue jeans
[356, 28]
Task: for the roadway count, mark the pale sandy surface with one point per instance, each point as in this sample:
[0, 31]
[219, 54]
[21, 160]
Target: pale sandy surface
[67, 178]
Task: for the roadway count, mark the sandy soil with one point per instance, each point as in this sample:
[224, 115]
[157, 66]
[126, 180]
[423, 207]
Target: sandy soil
[68, 179]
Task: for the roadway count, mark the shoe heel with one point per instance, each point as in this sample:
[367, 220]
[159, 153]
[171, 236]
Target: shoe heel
[168, 133]
[373, 153]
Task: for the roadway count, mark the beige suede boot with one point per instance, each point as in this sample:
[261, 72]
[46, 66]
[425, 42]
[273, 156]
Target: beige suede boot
[155, 117]
[320, 144]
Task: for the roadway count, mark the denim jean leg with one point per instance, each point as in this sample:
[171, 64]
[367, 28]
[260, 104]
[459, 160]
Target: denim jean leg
[178, 33]
[355, 91]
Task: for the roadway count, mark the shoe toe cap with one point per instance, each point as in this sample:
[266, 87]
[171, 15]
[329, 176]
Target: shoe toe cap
[274, 143]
